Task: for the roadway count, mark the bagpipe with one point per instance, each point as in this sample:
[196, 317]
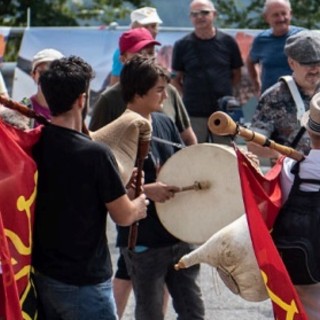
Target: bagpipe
[128, 137]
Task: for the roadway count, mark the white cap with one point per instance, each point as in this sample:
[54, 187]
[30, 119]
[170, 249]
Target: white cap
[45, 55]
[145, 16]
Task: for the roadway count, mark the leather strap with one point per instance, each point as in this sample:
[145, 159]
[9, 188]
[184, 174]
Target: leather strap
[295, 95]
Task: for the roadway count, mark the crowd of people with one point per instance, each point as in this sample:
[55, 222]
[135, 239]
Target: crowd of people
[73, 273]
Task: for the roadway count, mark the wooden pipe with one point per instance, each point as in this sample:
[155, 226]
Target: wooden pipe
[222, 124]
[142, 153]
[24, 110]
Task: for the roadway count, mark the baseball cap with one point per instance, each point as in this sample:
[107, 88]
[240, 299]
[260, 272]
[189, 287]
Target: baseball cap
[145, 15]
[304, 47]
[45, 55]
[311, 118]
[136, 39]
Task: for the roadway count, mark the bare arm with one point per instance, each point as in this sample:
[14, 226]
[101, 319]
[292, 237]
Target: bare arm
[254, 75]
[125, 212]
[177, 81]
[236, 77]
[188, 136]
[160, 192]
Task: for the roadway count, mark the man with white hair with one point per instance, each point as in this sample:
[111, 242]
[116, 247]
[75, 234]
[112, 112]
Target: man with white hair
[145, 17]
[267, 61]
[206, 66]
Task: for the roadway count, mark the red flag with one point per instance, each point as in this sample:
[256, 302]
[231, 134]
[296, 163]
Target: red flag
[262, 201]
[17, 197]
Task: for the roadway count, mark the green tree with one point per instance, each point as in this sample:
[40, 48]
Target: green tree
[235, 14]
[43, 13]
[64, 12]
[106, 11]
[59, 13]
[232, 14]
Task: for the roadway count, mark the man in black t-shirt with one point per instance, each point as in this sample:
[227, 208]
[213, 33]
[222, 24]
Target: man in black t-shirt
[206, 66]
[78, 183]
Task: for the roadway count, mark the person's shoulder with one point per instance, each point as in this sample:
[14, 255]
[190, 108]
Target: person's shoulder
[98, 148]
[114, 88]
[116, 53]
[161, 117]
[294, 30]
[186, 38]
[279, 85]
[162, 124]
[224, 37]
[263, 34]
[276, 90]
[223, 34]
[80, 140]
[111, 91]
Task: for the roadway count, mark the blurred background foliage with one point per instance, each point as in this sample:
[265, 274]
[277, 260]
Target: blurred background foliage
[243, 14]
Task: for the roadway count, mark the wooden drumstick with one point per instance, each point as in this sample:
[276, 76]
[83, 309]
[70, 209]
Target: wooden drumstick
[197, 185]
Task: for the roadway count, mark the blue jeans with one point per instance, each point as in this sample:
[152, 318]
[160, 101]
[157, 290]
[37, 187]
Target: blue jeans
[150, 270]
[61, 301]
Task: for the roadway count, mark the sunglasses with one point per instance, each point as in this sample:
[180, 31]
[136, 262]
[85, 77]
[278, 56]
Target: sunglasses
[202, 13]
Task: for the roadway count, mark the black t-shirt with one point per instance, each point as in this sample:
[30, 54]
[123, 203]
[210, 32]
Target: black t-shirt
[151, 232]
[207, 66]
[76, 178]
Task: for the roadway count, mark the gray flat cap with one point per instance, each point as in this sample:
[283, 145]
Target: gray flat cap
[304, 47]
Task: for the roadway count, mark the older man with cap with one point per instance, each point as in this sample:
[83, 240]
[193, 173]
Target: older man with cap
[145, 17]
[40, 63]
[301, 198]
[277, 116]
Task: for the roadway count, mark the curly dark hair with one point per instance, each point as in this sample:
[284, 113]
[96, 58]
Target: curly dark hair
[64, 81]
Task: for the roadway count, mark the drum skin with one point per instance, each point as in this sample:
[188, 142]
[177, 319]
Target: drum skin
[194, 216]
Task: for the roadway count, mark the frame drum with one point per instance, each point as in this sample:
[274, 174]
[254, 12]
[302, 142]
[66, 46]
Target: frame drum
[194, 216]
